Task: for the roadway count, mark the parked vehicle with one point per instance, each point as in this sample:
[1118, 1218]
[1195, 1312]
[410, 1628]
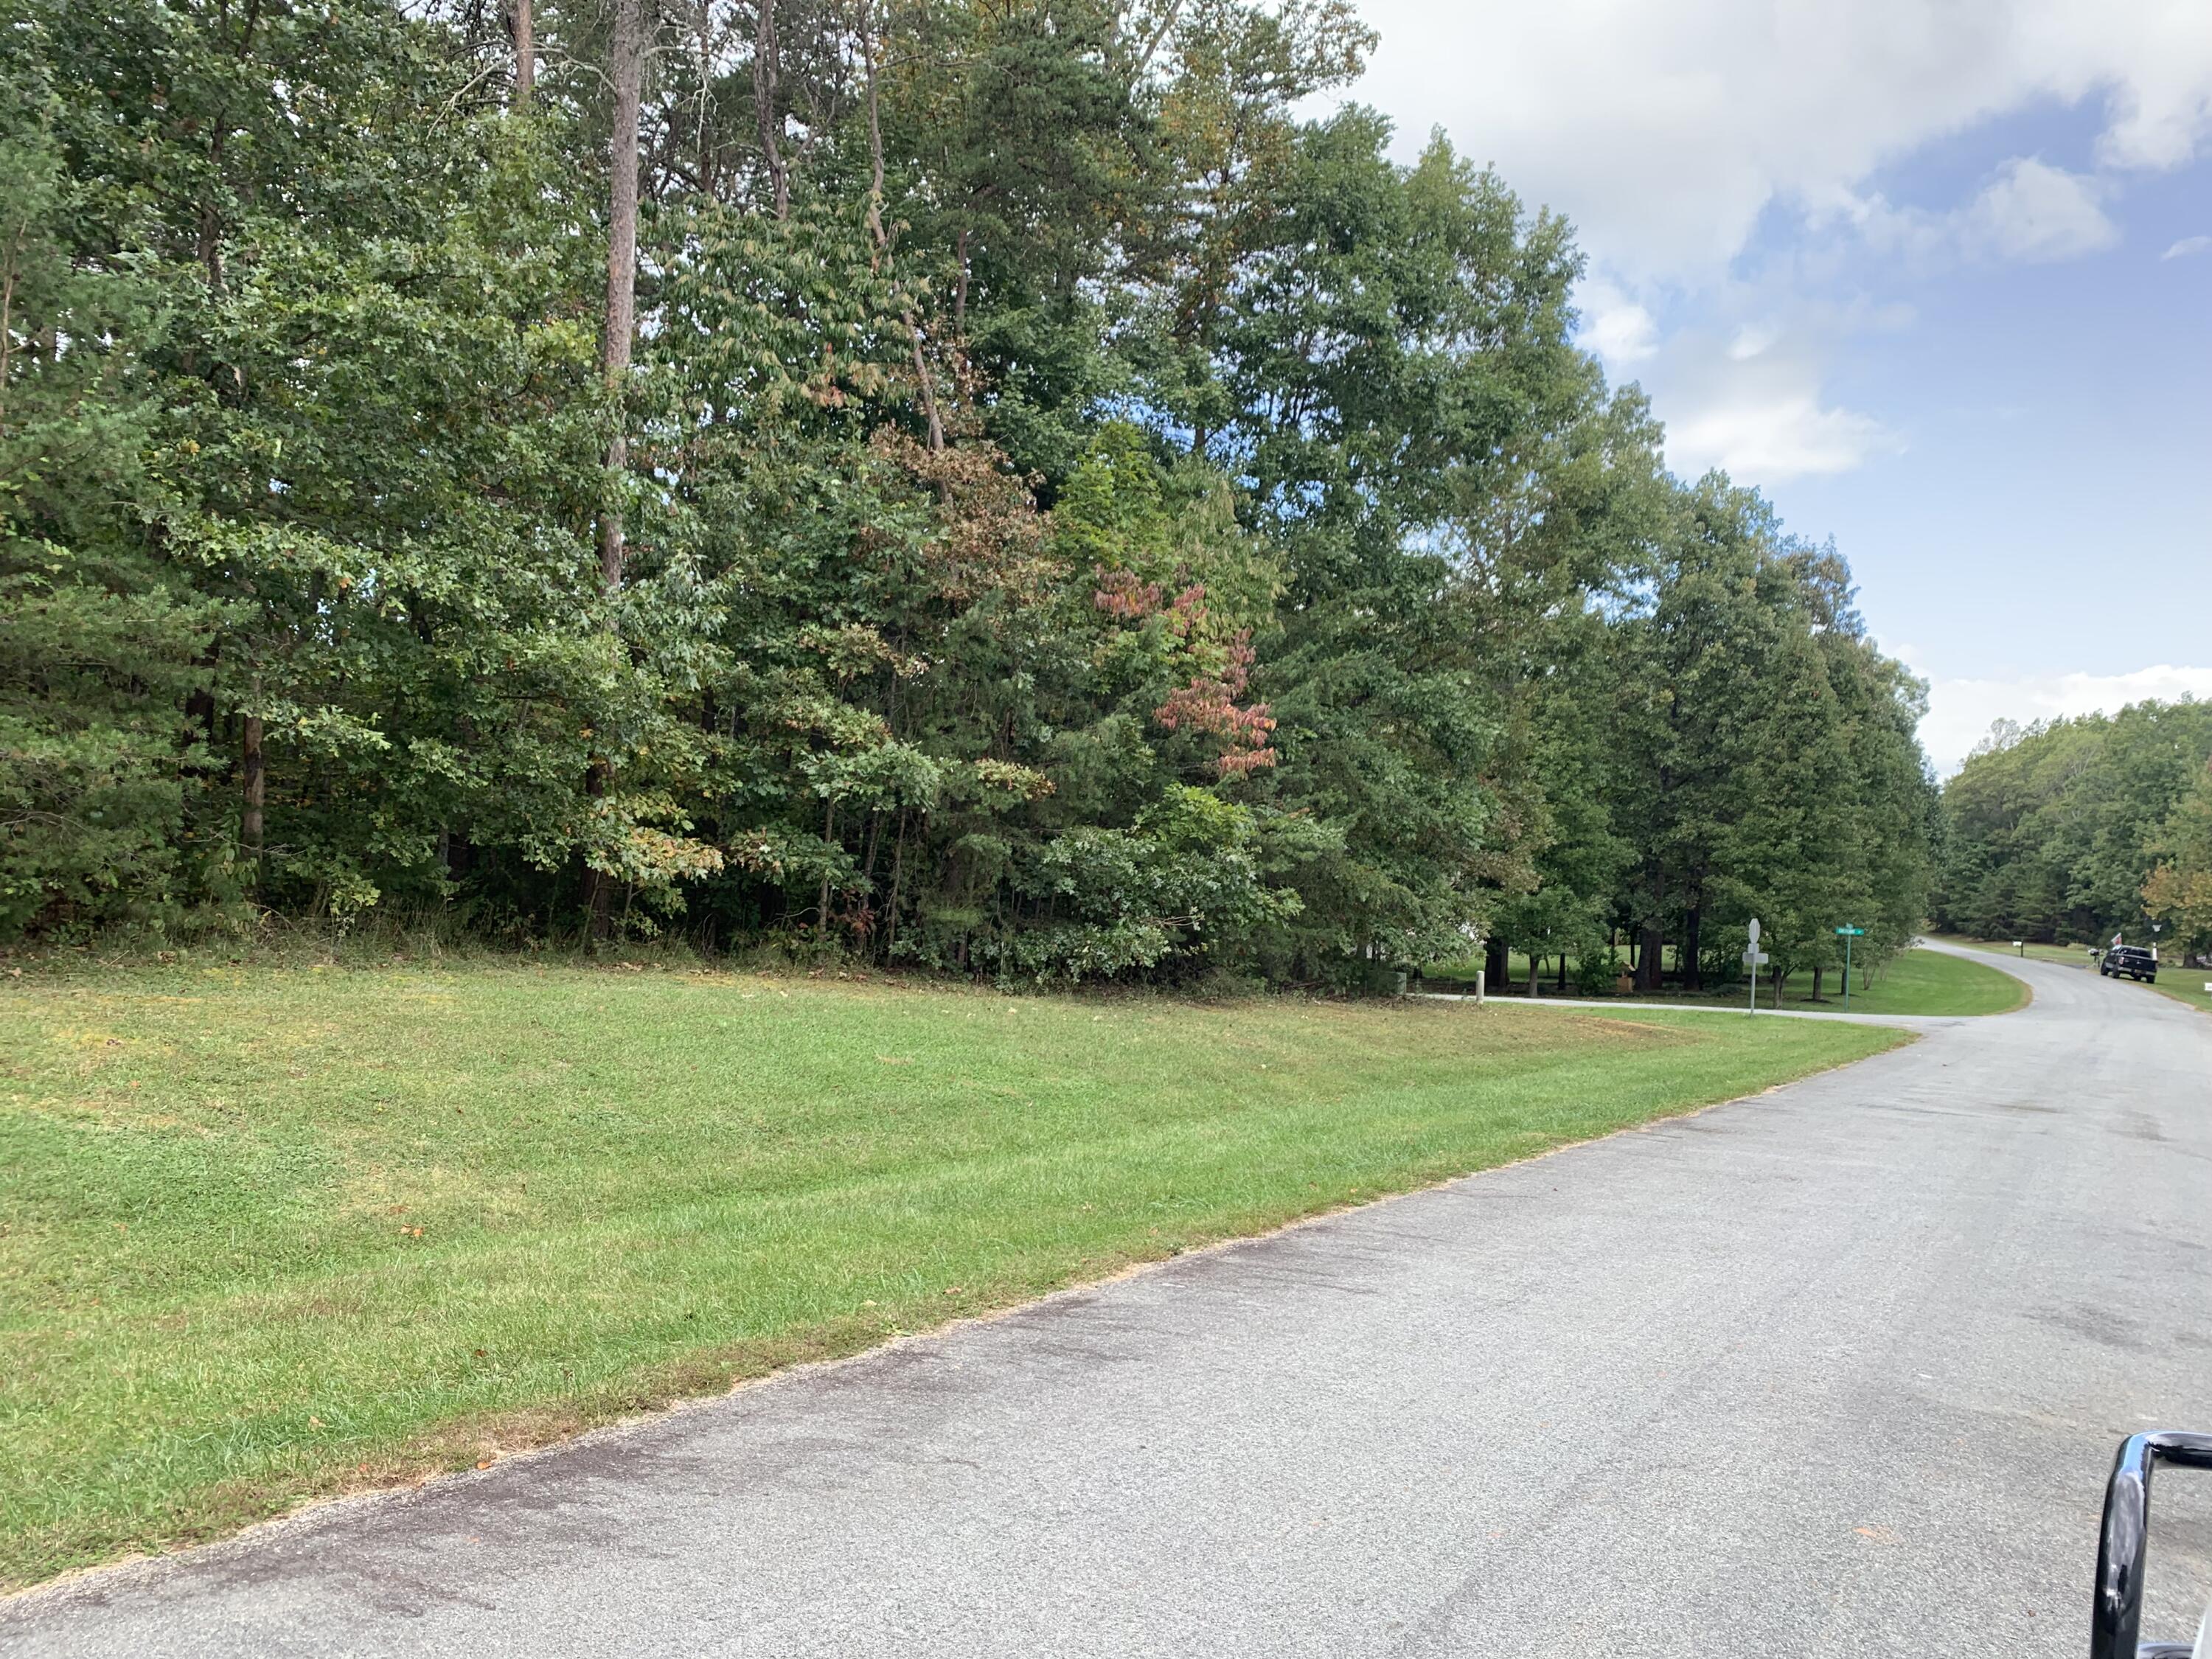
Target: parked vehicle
[2116, 1612]
[2133, 960]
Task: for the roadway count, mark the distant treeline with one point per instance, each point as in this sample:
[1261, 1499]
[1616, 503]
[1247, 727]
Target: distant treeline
[994, 488]
[2073, 830]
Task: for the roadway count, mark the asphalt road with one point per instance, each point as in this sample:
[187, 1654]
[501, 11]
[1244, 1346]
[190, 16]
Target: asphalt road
[1839, 1370]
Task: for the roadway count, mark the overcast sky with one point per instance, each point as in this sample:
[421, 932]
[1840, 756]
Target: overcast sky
[1935, 275]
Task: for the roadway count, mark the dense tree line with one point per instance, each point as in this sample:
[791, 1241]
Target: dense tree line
[2074, 830]
[994, 486]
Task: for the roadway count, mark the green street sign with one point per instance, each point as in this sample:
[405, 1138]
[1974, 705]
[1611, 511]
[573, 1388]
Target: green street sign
[1847, 934]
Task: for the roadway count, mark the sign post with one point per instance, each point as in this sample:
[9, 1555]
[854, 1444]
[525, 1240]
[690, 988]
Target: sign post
[1848, 935]
[1754, 960]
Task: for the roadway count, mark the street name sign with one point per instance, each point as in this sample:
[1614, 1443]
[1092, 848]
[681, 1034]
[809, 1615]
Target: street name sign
[1847, 934]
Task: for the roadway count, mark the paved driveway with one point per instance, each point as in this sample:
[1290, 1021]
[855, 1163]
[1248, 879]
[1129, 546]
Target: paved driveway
[1839, 1370]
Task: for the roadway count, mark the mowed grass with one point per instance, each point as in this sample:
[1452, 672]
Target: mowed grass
[1914, 982]
[270, 1233]
[2186, 985]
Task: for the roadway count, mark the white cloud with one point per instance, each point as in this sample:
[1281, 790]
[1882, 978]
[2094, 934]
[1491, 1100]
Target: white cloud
[1665, 131]
[2034, 211]
[2187, 245]
[1753, 340]
[1787, 435]
[1960, 711]
[1616, 327]
[2027, 211]
[2161, 100]
[1740, 390]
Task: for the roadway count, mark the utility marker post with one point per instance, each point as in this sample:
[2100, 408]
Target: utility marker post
[1754, 960]
[1848, 934]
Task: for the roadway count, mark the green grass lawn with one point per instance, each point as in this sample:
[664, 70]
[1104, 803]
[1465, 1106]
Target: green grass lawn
[1915, 982]
[2186, 985]
[270, 1233]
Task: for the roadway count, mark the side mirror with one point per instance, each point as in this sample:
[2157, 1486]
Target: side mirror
[2116, 1614]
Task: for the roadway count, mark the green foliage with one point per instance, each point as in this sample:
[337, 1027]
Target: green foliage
[1081, 517]
[1772, 768]
[99, 641]
[2178, 891]
[1595, 973]
[2072, 829]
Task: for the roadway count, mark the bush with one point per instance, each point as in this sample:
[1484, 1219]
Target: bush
[1595, 974]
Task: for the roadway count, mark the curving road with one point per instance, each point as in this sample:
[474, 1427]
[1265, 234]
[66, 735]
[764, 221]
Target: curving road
[1839, 1370]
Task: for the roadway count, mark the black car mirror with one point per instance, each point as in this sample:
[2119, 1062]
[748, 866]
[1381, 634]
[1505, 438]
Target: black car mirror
[2115, 1615]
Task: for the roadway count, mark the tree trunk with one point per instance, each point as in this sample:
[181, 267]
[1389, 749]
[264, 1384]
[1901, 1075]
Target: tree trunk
[821, 906]
[1693, 956]
[1649, 960]
[1496, 969]
[1166, 22]
[1817, 971]
[199, 710]
[898, 871]
[764, 104]
[8, 277]
[927, 390]
[210, 225]
[598, 887]
[626, 67]
[875, 836]
[959, 288]
[525, 53]
[1563, 973]
[1535, 963]
[710, 176]
[257, 795]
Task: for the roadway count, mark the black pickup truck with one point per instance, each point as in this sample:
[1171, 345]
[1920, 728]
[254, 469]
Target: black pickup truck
[2133, 960]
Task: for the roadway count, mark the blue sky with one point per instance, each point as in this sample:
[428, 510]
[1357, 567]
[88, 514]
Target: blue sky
[1922, 271]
